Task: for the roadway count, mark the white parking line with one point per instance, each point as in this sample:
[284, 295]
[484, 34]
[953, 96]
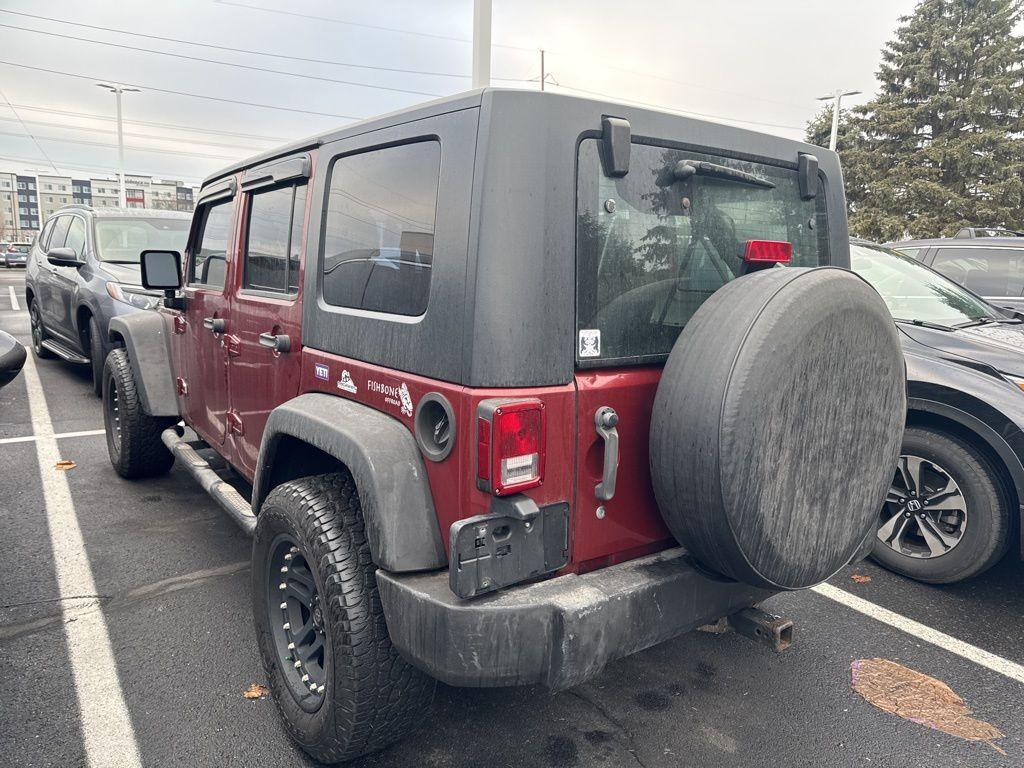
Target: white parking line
[946, 642]
[59, 436]
[14, 299]
[106, 726]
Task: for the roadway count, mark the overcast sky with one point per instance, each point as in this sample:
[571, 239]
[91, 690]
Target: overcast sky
[735, 60]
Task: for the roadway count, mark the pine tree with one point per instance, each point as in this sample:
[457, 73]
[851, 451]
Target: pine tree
[942, 144]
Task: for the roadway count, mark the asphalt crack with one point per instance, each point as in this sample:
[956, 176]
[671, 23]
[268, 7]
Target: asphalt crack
[623, 734]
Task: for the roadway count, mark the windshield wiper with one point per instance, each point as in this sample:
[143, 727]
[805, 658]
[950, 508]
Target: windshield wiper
[685, 169]
[116, 261]
[972, 323]
[926, 324]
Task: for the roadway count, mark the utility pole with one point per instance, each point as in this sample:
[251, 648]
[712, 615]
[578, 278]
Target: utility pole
[481, 43]
[543, 73]
[837, 100]
[117, 90]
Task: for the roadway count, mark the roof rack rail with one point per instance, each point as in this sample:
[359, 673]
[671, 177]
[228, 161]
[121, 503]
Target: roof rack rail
[969, 232]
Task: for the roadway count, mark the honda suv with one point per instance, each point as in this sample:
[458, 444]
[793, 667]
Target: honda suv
[83, 269]
[519, 386]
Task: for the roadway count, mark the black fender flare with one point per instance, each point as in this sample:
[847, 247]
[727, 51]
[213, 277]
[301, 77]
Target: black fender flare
[989, 436]
[146, 336]
[386, 465]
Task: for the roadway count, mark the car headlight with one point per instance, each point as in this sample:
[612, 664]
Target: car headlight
[135, 295]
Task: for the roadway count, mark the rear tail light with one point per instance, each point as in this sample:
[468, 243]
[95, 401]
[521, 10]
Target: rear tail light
[768, 252]
[510, 445]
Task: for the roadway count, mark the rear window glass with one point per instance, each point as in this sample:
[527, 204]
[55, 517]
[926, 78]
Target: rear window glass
[378, 243]
[986, 271]
[274, 238]
[651, 250]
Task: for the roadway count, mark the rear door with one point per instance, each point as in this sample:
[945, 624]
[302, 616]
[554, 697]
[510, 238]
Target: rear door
[67, 281]
[200, 332]
[649, 253]
[265, 319]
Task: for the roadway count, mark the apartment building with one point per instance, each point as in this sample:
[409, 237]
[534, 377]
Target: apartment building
[54, 194]
[104, 193]
[28, 206]
[81, 191]
[9, 230]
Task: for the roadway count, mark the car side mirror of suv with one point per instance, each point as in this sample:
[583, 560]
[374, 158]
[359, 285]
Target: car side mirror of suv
[63, 257]
[161, 270]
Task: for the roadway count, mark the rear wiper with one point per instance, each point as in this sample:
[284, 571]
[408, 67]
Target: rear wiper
[926, 324]
[685, 169]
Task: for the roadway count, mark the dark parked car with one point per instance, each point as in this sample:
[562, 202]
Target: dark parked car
[483, 363]
[84, 269]
[14, 254]
[988, 262]
[954, 506]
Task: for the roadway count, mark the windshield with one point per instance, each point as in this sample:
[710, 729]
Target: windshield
[915, 293]
[653, 245]
[122, 240]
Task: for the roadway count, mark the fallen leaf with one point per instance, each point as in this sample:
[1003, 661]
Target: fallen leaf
[66, 464]
[256, 691]
[860, 578]
[919, 698]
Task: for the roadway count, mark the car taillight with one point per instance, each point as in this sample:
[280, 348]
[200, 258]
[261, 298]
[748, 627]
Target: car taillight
[768, 251]
[510, 445]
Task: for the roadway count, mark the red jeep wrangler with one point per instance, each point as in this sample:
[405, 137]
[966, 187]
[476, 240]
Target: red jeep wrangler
[519, 388]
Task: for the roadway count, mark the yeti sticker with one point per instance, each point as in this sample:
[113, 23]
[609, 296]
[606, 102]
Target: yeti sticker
[346, 384]
[321, 371]
[590, 343]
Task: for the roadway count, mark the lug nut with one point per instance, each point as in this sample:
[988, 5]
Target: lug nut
[291, 646]
[297, 664]
[284, 569]
[288, 556]
[305, 678]
[312, 687]
[319, 689]
[284, 606]
[287, 625]
[282, 586]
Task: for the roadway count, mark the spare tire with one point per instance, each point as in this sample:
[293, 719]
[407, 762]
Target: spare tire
[777, 424]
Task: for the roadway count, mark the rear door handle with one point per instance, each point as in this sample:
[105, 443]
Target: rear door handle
[215, 324]
[606, 420]
[277, 342]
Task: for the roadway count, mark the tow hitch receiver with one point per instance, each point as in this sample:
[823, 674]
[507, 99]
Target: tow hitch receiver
[762, 627]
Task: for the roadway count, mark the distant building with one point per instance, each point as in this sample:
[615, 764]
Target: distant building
[105, 193]
[54, 194]
[9, 229]
[28, 206]
[81, 191]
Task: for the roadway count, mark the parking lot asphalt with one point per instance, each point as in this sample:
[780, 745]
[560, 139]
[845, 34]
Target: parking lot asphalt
[171, 581]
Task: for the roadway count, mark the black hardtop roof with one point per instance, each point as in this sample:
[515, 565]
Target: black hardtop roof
[468, 100]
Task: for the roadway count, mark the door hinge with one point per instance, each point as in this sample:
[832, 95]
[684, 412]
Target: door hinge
[182, 386]
[179, 324]
[233, 344]
[235, 423]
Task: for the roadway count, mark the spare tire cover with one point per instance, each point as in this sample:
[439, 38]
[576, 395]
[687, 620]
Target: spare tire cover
[777, 425]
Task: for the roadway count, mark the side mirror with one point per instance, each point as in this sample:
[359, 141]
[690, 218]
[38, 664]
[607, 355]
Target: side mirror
[161, 270]
[12, 357]
[63, 257]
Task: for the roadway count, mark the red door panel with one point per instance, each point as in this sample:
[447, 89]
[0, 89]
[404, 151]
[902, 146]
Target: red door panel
[630, 523]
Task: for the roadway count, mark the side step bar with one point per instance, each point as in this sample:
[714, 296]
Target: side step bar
[63, 352]
[222, 491]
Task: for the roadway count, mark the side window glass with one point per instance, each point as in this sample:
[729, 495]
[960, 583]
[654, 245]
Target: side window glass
[911, 252]
[59, 233]
[44, 236]
[378, 244]
[76, 237]
[208, 260]
[274, 239]
[987, 272]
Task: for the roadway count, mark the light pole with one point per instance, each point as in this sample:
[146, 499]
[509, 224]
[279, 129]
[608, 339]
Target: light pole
[481, 43]
[117, 90]
[837, 99]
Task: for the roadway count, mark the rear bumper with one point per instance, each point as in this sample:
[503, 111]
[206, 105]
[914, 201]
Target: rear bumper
[558, 632]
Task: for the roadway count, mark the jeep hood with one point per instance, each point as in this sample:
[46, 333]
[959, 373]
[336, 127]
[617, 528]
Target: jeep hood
[999, 345]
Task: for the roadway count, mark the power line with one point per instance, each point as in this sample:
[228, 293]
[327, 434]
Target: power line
[89, 129]
[173, 126]
[681, 111]
[304, 59]
[85, 142]
[251, 67]
[25, 128]
[183, 93]
[92, 168]
[364, 26]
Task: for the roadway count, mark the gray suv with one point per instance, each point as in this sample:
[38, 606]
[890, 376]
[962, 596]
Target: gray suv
[83, 269]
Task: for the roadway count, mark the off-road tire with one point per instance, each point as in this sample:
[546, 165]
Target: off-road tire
[986, 537]
[38, 332]
[135, 449]
[96, 358]
[372, 696]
